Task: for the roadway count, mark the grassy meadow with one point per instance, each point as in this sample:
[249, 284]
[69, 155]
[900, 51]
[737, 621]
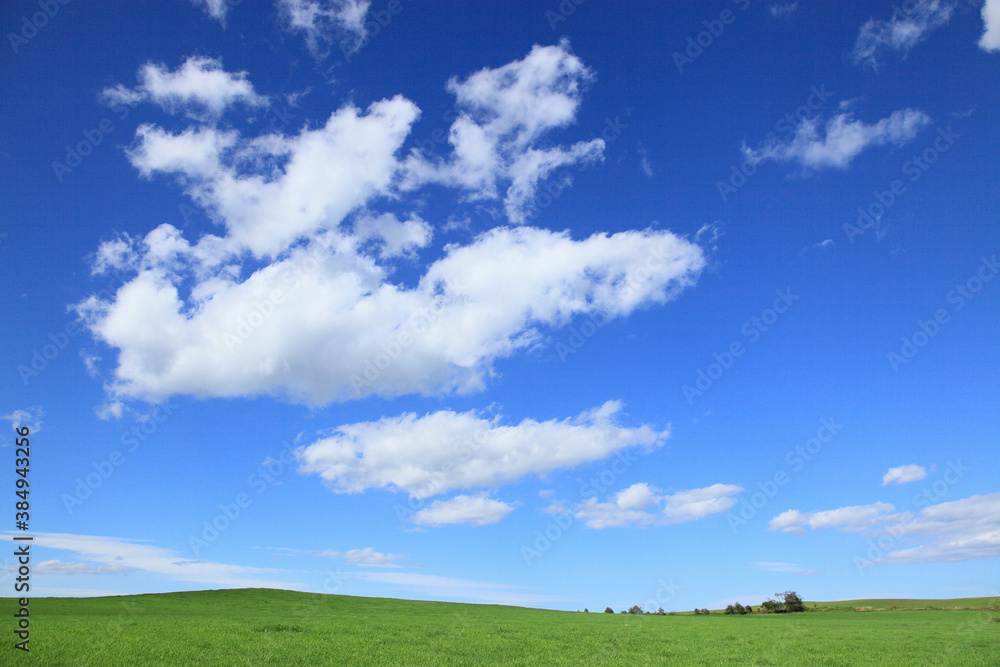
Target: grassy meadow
[268, 627]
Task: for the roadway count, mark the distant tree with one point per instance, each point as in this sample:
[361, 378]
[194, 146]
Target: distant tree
[789, 601]
[747, 608]
[609, 610]
[660, 612]
[739, 609]
[623, 612]
[586, 611]
[793, 602]
[730, 609]
[635, 609]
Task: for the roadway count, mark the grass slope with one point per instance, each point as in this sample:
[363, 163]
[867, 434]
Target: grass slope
[267, 627]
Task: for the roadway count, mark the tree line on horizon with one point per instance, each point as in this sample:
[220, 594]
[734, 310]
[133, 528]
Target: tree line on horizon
[783, 603]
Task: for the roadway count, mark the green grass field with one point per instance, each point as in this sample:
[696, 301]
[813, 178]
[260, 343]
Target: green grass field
[267, 627]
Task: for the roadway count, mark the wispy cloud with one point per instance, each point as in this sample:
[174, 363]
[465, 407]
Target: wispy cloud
[114, 555]
[909, 25]
[841, 140]
[786, 568]
[217, 9]
[200, 88]
[366, 556]
[325, 22]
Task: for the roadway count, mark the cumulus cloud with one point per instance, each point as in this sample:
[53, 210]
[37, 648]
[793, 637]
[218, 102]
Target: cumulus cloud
[295, 297]
[477, 510]
[324, 22]
[990, 41]
[959, 530]
[911, 22]
[841, 140]
[444, 451]
[642, 505]
[504, 115]
[904, 474]
[200, 87]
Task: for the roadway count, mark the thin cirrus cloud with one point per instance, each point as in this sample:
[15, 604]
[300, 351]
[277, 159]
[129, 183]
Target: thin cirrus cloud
[200, 87]
[642, 505]
[837, 143]
[113, 555]
[910, 23]
[786, 568]
[904, 474]
[477, 510]
[959, 530]
[317, 318]
[445, 451]
[366, 556]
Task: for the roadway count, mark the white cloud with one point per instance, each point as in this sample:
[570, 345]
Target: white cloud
[840, 141]
[505, 112]
[274, 190]
[856, 518]
[990, 41]
[294, 298]
[106, 555]
[641, 505]
[909, 25]
[200, 87]
[323, 22]
[30, 417]
[217, 9]
[393, 238]
[477, 510]
[904, 474]
[324, 324]
[960, 530]
[444, 451]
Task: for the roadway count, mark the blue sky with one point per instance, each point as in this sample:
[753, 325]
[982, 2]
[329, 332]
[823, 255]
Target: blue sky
[560, 305]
